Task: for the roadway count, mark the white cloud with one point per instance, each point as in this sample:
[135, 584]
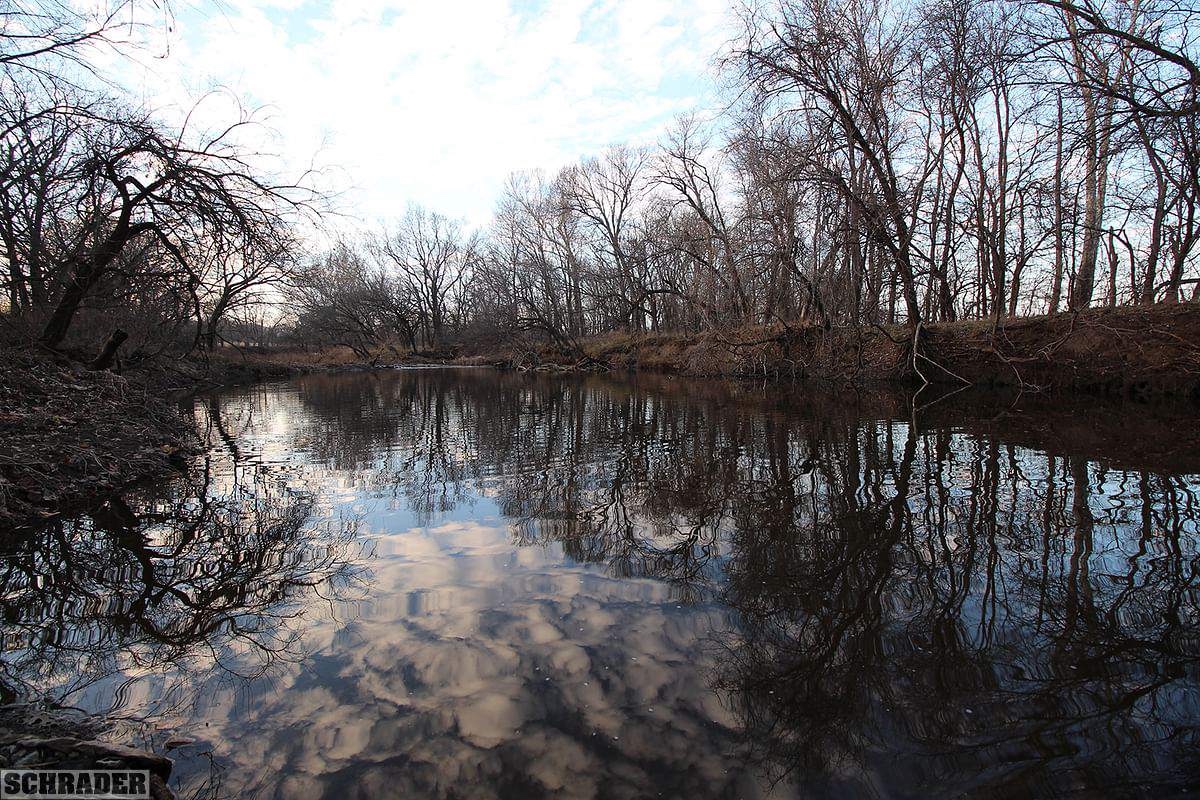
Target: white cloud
[437, 102]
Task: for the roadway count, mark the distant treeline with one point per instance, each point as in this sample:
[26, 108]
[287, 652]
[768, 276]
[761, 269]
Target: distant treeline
[878, 162]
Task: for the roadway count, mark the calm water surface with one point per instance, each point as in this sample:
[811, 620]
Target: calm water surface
[466, 584]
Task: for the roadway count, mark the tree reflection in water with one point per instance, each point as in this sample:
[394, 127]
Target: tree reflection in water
[1000, 618]
[927, 607]
[208, 573]
[962, 599]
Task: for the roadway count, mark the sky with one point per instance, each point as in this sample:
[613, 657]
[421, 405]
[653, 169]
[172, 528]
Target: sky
[437, 102]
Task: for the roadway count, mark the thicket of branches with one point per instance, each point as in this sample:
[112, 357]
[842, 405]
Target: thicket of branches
[115, 224]
[882, 161]
[885, 161]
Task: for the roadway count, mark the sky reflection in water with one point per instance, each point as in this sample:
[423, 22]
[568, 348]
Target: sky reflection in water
[469, 584]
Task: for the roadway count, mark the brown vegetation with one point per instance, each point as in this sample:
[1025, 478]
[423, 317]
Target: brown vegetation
[1138, 351]
[70, 435]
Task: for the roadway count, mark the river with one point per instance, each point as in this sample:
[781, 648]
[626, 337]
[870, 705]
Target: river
[466, 583]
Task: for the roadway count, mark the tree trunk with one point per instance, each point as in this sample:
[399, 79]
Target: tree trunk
[59, 323]
[85, 274]
[109, 354]
[1059, 255]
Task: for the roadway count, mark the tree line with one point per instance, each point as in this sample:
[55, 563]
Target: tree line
[879, 161]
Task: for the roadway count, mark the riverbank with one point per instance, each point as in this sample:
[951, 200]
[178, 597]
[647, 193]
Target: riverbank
[71, 436]
[1138, 352]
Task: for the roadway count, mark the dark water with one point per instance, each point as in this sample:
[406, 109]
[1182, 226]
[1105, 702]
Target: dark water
[468, 584]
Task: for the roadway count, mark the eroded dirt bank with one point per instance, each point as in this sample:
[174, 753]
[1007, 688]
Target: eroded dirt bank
[1131, 352]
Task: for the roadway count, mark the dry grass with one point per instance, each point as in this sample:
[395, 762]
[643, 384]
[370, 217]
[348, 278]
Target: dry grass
[1133, 350]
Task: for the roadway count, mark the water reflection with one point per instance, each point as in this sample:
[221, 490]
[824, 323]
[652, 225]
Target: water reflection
[598, 588]
[203, 575]
[1002, 619]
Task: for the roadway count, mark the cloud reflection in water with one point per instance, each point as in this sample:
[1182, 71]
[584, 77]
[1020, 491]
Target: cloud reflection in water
[589, 588]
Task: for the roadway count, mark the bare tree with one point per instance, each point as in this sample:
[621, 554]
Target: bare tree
[604, 192]
[137, 181]
[431, 256]
[232, 283]
[344, 298]
[882, 161]
[843, 64]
